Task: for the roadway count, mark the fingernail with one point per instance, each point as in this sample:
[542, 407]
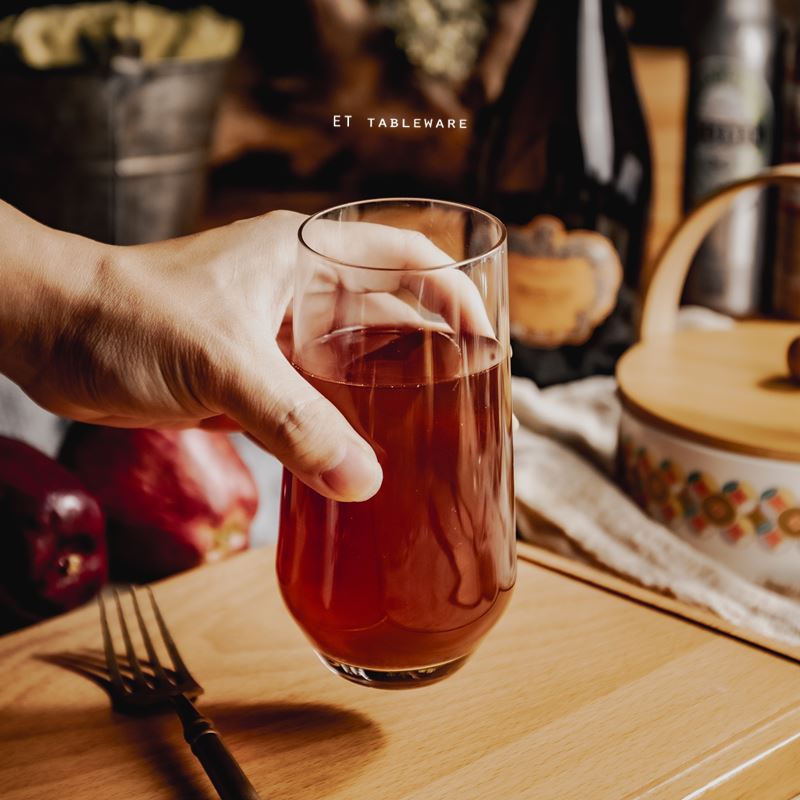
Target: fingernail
[357, 476]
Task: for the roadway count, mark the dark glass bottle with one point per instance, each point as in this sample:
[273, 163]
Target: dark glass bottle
[567, 138]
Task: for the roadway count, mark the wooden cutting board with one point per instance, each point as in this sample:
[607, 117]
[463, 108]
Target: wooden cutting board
[578, 693]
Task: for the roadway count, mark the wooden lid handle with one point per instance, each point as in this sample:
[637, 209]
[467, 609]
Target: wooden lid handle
[660, 311]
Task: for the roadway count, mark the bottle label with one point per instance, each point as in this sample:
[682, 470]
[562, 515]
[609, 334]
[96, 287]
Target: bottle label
[733, 125]
[562, 284]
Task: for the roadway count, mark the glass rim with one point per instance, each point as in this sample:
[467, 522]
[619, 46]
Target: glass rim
[501, 240]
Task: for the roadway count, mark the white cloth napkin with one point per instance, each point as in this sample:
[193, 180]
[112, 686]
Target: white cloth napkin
[564, 452]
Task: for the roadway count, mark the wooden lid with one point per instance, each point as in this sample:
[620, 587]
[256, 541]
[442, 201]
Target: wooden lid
[728, 388]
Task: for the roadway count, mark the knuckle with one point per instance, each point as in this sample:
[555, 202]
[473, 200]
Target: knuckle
[283, 216]
[295, 427]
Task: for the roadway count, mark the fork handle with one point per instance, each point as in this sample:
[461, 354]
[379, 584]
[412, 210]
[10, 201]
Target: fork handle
[218, 762]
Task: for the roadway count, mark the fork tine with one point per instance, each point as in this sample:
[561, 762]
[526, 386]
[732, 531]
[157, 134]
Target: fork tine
[98, 662]
[181, 669]
[155, 663]
[136, 668]
[108, 647]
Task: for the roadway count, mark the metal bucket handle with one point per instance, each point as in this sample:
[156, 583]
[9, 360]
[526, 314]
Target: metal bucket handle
[660, 311]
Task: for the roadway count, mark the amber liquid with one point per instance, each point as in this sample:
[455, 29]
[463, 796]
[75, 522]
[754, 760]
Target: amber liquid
[417, 575]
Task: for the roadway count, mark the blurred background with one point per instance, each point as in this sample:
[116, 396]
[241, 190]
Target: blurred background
[272, 142]
[274, 145]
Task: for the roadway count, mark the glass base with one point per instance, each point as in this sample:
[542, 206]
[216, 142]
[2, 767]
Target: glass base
[398, 679]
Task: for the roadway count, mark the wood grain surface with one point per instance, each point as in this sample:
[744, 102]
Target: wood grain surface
[577, 693]
[602, 579]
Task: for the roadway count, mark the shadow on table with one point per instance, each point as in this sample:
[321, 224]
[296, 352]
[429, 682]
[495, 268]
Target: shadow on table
[287, 749]
[298, 749]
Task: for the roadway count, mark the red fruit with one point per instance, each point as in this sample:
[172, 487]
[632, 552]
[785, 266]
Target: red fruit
[173, 499]
[53, 537]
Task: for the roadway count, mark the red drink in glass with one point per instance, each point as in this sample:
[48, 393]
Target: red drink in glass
[412, 579]
[400, 319]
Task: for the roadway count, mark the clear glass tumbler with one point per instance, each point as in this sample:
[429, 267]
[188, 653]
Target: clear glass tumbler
[400, 319]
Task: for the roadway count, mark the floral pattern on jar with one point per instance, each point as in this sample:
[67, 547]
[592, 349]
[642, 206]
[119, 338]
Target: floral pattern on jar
[703, 506]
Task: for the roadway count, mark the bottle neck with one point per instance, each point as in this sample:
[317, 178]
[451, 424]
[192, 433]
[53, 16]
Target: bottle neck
[595, 125]
[569, 10]
[573, 24]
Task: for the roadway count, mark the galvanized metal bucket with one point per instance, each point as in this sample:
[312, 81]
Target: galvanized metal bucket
[118, 155]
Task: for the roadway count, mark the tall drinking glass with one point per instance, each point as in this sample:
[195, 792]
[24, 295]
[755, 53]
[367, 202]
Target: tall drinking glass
[400, 319]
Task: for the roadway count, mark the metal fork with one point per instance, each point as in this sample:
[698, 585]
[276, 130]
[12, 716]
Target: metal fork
[138, 685]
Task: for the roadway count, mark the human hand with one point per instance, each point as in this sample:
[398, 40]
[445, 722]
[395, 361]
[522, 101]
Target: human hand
[183, 333]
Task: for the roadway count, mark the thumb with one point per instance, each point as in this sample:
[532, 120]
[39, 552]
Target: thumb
[293, 421]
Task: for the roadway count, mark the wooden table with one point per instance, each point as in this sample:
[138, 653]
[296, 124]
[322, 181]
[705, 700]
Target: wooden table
[577, 693]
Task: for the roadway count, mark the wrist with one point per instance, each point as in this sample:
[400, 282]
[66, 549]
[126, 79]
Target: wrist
[45, 276]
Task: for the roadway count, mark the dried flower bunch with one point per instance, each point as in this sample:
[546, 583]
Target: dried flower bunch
[441, 38]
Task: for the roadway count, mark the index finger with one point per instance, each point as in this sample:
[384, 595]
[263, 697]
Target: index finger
[388, 259]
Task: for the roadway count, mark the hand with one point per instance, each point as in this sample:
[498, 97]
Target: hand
[183, 333]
